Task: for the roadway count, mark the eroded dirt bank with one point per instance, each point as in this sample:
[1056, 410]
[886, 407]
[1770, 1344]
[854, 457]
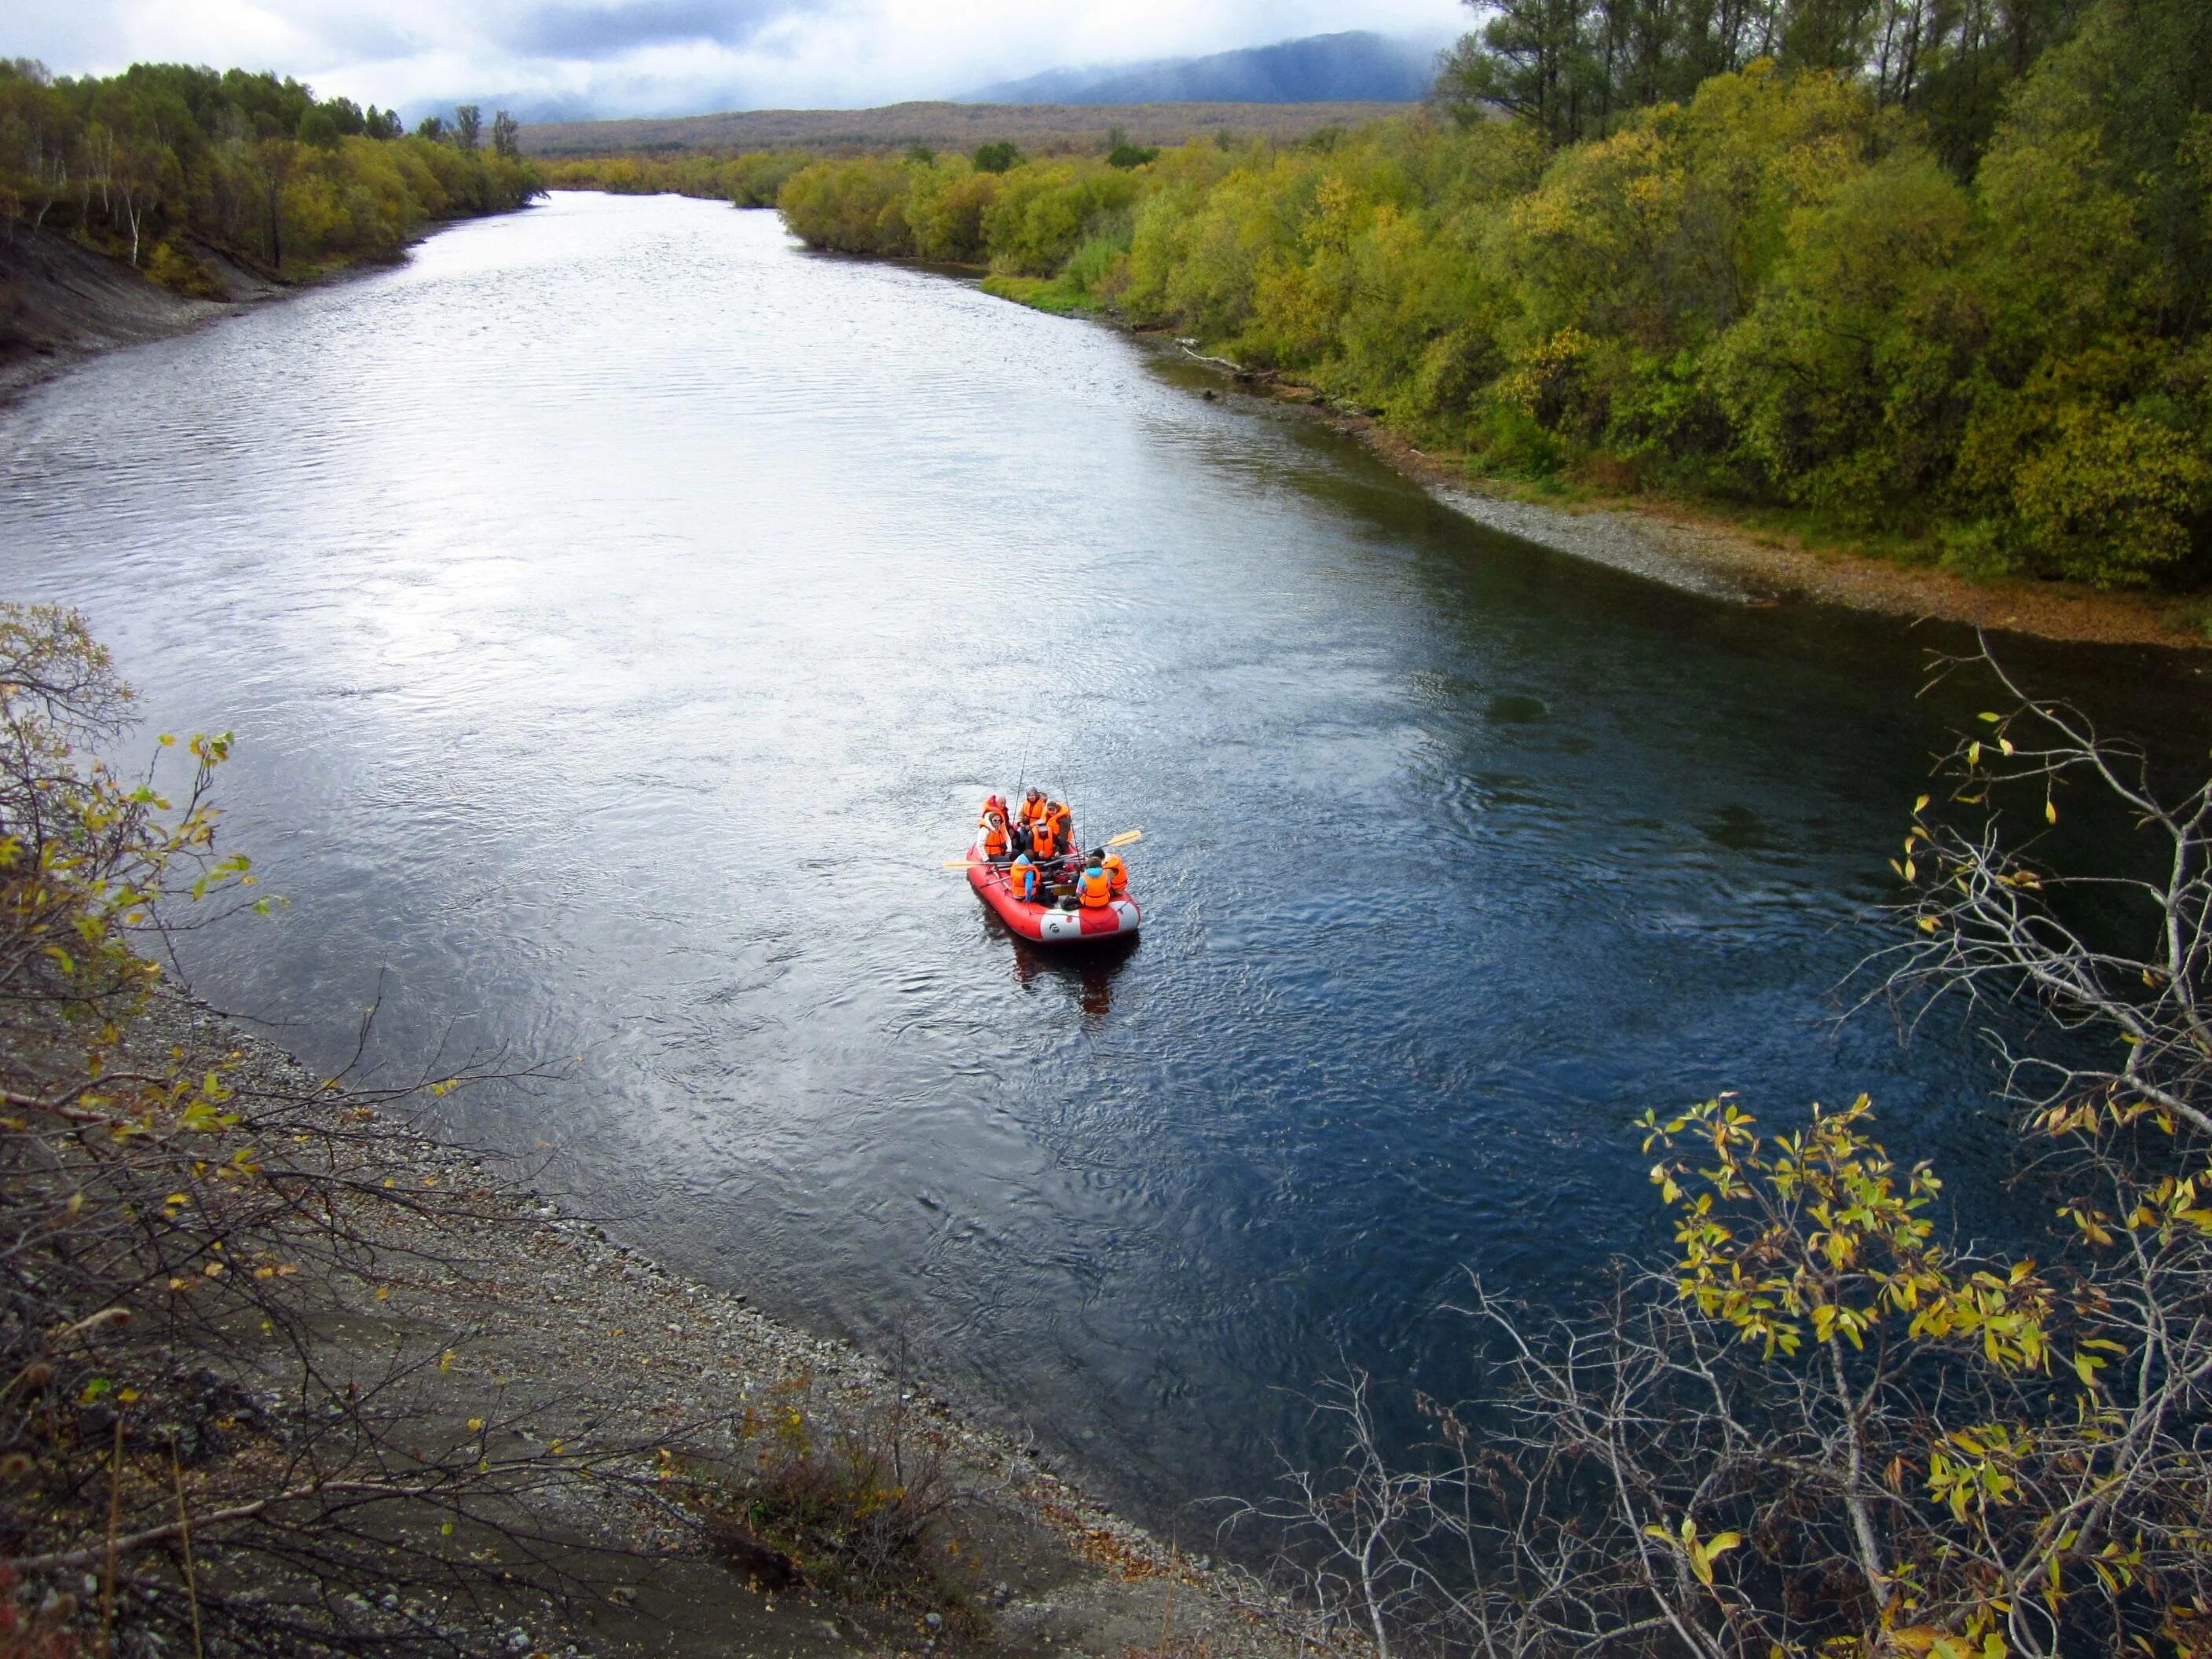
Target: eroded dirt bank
[60, 302]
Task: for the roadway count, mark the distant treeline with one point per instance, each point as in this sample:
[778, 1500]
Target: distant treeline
[1923, 278]
[144, 163]
[751, 179]
[1040, 128]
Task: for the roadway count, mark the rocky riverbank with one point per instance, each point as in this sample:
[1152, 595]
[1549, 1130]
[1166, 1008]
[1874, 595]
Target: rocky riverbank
[1702, 550]
[550, 1339]
[1705, 552]
[60, 302]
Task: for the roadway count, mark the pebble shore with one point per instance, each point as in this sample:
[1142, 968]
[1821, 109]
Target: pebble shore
[557, 1332]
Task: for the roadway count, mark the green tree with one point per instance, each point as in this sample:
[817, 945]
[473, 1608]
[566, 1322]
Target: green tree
[317, 128]
[1533, 58]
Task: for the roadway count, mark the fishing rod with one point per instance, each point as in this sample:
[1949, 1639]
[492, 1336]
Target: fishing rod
[1126, 838]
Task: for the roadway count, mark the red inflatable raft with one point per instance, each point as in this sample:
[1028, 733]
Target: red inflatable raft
[1049, 924]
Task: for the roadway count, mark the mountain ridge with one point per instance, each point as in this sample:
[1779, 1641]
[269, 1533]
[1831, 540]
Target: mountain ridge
[1357, 65]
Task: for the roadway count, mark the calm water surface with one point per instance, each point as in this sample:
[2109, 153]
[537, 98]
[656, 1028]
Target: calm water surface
[622, 613]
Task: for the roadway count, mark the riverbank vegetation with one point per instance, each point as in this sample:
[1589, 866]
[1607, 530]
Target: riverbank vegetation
[750, 178]
[1827, 1421]
[163, 163]
[1933, 278]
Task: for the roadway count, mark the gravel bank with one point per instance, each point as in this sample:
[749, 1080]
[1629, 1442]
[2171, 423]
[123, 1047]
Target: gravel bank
[1704, 554]
[1677, 545]
[557, 1334]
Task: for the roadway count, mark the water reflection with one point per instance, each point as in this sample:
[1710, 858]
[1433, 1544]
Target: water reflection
[1087, 972]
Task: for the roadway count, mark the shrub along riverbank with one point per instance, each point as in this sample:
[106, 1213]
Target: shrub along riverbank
[1979, 343]
[749, 179]
[163, 160]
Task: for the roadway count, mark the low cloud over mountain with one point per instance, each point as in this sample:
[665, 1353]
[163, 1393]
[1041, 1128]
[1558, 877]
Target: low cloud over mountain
[1319, 68]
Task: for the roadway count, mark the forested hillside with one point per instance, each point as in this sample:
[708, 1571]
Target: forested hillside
[144, 163]
[1932, 272]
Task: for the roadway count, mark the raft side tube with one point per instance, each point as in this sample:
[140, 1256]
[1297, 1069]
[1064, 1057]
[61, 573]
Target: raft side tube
[1048, 924]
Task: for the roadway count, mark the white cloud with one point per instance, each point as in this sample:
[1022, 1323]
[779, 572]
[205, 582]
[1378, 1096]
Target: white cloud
[666, 56]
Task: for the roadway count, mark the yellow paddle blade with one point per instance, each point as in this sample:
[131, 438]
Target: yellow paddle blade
[965, 864]
[1126, 837]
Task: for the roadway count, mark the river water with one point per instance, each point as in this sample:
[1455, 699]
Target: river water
[622, 612]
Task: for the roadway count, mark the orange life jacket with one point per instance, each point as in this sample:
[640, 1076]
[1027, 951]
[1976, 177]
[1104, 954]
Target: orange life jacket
[1022, 878]
[1117, 873]
[991, 804]
[1032, 809]
[1063, 822]
[1044, 839]
[995, 839]
[1094, 888]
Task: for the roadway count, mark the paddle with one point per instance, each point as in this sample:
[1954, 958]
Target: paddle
[1122, 840]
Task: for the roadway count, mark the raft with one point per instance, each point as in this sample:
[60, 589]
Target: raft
[1048, 924]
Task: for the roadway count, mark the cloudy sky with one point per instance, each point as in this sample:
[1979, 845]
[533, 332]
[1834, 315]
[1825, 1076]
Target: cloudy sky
[655, 57]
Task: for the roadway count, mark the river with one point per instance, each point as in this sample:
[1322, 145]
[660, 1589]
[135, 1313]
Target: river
[622, 612]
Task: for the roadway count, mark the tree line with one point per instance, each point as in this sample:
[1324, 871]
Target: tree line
[164, 158]
[1931, 272]
[749, 178]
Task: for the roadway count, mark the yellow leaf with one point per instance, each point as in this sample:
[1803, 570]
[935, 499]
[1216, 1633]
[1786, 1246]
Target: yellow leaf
[476, 1424]
[2050, 810]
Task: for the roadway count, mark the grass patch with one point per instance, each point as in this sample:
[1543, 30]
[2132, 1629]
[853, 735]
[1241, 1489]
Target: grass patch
[1044, 294]
[857, 1509]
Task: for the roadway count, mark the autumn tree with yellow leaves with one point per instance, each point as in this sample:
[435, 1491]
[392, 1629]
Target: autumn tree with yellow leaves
[1821, 1424]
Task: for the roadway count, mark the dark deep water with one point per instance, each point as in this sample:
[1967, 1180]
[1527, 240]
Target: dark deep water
[622, 612]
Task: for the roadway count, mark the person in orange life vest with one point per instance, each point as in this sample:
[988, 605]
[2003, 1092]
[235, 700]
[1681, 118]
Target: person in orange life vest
[1063, 823]
[996, 841]
[993, 803]
[1117, 873]
[1023, 818]
[1094, 887]
[1044, 841]
[1022, 878]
